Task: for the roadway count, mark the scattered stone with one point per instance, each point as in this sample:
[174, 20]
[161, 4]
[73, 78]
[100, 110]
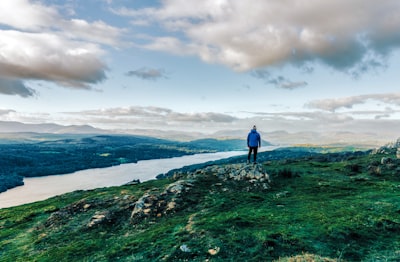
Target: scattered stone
[282, 194]
[386, 160]
[213, 251]
[360, 179]
[189, 226]
[125, 197]
[99, 218]
[179, 186]
[154, 204]
[254, 174]
[57, 218]
[171, 205]
[375, 170]
[185, 248]
[133, 182]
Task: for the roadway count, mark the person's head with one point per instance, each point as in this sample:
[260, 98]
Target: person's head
[254, 127]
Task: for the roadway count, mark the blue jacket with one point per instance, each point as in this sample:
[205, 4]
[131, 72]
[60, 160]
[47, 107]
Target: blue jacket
[253, 139]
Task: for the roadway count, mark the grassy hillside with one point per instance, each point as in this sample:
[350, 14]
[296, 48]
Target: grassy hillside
[320, 207]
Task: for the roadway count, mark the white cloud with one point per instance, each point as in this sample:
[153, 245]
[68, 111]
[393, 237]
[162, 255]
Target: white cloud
[49, 57]
[157, 114]
[6, 111]
[27, 15]
[97, 32]
[252, 34]
[348, 102]
[38, 43]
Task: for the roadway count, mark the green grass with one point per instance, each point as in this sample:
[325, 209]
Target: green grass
[316, 210]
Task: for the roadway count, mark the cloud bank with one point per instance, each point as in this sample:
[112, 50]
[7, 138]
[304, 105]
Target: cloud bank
[348, 102]
[156, 114]
[353, 36]
[306, 126]
[37, 43]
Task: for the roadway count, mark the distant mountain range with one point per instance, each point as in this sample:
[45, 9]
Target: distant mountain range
[281, 137]
[17, 130]
[16, 127]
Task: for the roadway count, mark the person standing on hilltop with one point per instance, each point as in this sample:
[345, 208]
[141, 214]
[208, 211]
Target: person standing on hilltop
[253, 143]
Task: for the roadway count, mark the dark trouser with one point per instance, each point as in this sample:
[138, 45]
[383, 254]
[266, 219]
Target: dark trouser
[252, 149]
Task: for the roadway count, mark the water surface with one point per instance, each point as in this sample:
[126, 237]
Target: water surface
[40, 188]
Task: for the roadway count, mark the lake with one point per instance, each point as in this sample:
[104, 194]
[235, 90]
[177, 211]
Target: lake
[40, 188]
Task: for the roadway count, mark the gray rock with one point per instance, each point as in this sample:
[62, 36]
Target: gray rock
[99, 218]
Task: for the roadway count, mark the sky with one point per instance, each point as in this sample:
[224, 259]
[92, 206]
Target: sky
[204, 66]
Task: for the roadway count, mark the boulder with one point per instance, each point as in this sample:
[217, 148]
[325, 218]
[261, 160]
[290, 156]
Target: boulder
[153, 205]
[386, 160]
[156, 204]
[100, 217]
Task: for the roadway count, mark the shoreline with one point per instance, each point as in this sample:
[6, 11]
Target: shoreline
[40, 188]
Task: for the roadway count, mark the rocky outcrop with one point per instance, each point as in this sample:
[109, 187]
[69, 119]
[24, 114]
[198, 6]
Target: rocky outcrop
[277, 154]
[390, 162]
[61, 216]
[385, 166]
[101, 217]
[156, 203]
[105, 211]
[389, 148]
[152, 205]
[251, 173]
[159, 204]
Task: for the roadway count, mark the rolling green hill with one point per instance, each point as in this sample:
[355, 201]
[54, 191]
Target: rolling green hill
[342, 206]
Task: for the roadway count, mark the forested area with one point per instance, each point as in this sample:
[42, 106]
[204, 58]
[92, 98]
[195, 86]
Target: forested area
[64, 156]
